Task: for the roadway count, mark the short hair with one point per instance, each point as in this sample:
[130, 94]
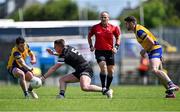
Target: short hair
[20, 40]
[60, 42]
[105, 12]
[130, 19]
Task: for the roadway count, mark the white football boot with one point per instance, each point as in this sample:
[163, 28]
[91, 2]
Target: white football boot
[33, 94]
[109, 93]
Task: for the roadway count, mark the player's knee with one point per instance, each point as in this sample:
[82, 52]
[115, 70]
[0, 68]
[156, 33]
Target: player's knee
[110, 72]
[102, 66]
[103, 69]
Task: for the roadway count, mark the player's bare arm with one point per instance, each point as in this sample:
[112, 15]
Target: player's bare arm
[50, 71]
[117, 43]
[51, 52]
[25, 66]
[33, 58]
[90, 44]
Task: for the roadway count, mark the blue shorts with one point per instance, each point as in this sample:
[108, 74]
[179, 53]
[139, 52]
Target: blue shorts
[157, 53]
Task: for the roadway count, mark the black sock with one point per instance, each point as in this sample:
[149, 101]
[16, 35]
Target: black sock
[25, 93]
[62, 92]
[109, 80]
[30, 89]
[169, 92]
[103, 79]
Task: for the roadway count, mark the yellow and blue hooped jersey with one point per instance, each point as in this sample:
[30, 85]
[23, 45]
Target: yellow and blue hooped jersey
[16, 54]
[141, 35]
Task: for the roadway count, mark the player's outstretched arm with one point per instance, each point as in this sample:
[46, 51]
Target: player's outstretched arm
[50, 71]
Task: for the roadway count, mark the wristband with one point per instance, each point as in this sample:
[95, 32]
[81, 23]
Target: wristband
[117, 46]
[43, 76]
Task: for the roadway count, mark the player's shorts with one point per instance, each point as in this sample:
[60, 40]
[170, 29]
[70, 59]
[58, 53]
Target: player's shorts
[11, 69]
[105, 55]
[157, 53]
[83, 69]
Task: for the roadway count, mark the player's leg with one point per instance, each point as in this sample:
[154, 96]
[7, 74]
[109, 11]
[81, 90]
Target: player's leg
[155, 57]
[110, 69]
[21, 75]
[155, 63]
[169, 93]
[29, 76]
[162, 81]
[70, 78]
[85, 83]
[107, 91]
[103, 68]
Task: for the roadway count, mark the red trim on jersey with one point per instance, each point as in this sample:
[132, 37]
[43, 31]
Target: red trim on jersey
[104, 36]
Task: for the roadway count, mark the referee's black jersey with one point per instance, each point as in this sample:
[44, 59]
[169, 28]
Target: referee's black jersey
[71, 56]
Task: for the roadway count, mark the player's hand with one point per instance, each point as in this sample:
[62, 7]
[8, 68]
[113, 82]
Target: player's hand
[42, 78]
[50, 51]
[162, 59]
[114, 50]
[32, 71]
[92, 49]
[143, 53]
[33, 62]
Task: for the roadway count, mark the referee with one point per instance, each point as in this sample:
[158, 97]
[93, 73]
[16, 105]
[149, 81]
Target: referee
[105, 48]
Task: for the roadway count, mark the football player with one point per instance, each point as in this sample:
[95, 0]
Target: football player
[18, 68]
[83, 72]
[154, 50]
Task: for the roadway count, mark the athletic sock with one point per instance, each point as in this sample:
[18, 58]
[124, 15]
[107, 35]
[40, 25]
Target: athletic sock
[170, 83]
[103, 79]
[62, 92]
[104, 90]
[25, 93]
[109, 80]
[170, 92]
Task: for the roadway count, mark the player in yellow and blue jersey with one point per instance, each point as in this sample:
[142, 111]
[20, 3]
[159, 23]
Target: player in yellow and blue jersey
[18, 68]
[154, 50]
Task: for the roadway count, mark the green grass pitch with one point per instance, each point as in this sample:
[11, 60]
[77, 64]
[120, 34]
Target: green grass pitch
[126, 98]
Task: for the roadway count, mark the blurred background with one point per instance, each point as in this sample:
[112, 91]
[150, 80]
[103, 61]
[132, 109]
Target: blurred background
[41, 22]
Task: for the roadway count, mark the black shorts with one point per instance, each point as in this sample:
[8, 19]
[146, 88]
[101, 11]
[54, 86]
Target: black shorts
[83, 69]
[143, 73]
[105, 55]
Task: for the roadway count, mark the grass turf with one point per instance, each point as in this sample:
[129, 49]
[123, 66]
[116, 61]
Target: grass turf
[126, 98]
